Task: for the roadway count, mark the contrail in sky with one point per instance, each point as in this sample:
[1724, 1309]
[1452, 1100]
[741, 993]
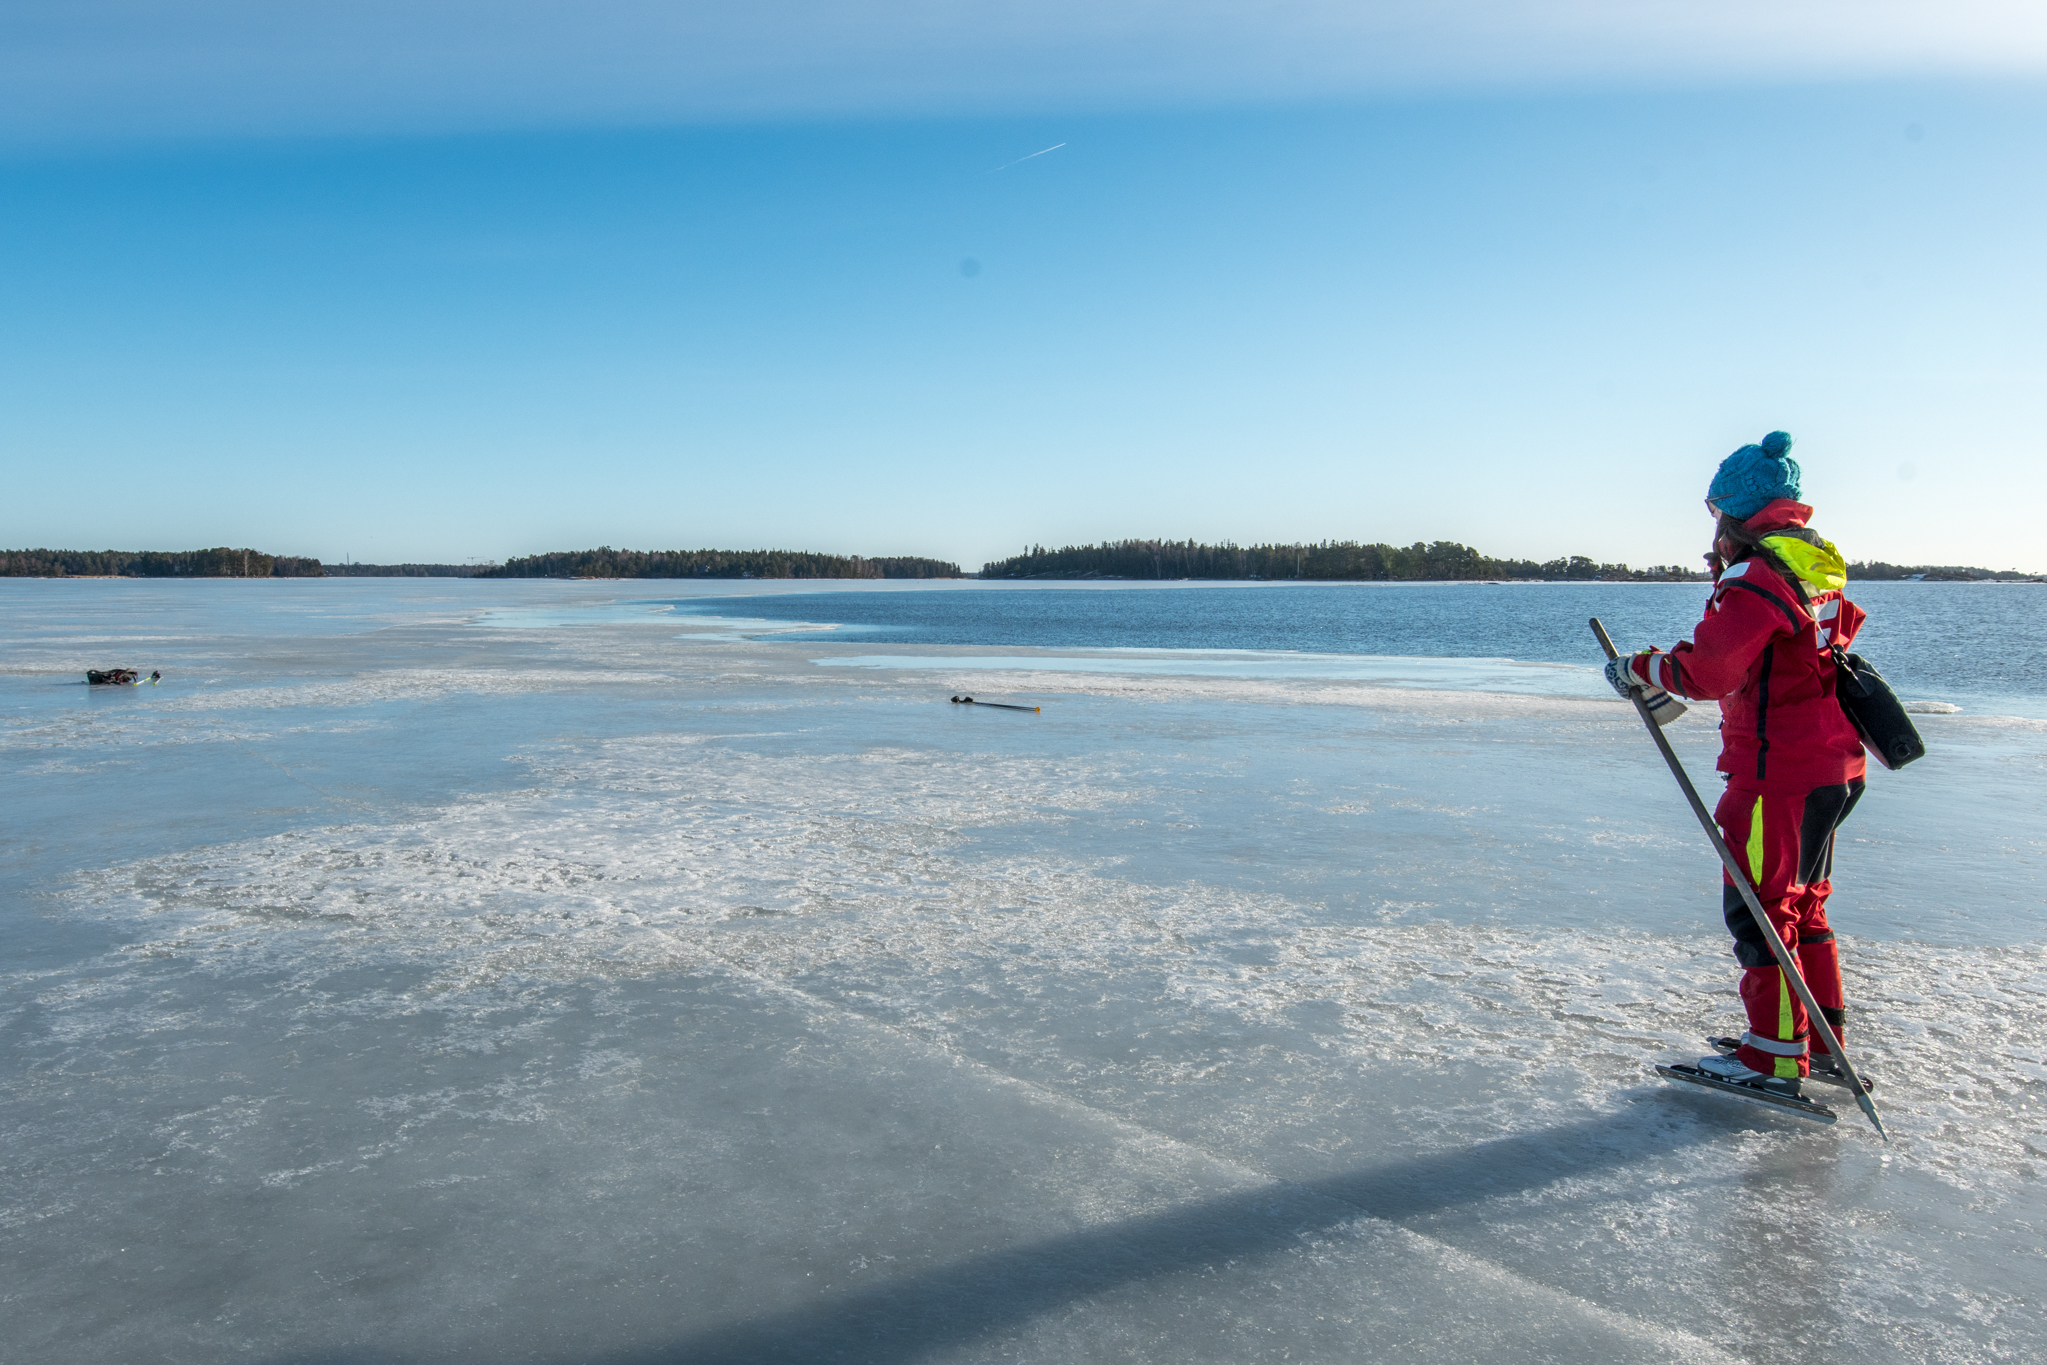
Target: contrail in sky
[1020, 160]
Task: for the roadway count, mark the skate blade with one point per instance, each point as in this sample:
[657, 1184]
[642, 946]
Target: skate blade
[1691, 1075]
[1726, 1046]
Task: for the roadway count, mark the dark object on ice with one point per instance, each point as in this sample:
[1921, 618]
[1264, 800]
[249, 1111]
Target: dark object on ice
[1879, 717]
[119, 677]
[1797, 1104]
[1824, 1069]
[1002, 705]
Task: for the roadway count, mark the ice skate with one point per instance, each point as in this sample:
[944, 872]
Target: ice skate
[1731, 1077]
[1820, 1066]
[1725, 1068]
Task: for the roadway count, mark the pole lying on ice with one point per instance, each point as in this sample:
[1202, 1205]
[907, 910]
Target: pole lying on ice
[998, 705]
[1739, 876]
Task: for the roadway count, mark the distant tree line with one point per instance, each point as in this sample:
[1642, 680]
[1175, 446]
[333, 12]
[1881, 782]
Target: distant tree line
[408, 570]
[1951, 573]
[216, 563]
[606, 562]
[1348, 560]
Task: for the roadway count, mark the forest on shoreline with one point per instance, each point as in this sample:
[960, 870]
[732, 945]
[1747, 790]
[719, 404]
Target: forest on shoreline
[353, 570]
[1355, 561]
[1341, 560]
[1141, 560]
[606, 562]
[220, 562]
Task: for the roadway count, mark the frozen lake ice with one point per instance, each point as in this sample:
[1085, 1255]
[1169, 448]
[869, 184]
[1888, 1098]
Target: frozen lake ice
[443, 970]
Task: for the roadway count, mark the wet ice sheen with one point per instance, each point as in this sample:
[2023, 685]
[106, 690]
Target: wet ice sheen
[528, 993]
[1488, 675]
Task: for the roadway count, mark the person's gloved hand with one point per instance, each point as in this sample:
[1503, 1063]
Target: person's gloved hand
[1620, 675]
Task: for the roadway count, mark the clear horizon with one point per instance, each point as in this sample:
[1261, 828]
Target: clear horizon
[966, 569]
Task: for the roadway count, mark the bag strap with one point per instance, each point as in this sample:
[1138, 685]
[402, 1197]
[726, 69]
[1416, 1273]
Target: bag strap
[1798, 589]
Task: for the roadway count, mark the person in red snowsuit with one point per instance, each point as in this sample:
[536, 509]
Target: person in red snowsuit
[1791, 757]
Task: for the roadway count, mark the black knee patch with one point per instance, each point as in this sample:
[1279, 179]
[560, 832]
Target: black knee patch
[1838, 1018]
[1804, 938]
[1751, 949]
[1825, 809]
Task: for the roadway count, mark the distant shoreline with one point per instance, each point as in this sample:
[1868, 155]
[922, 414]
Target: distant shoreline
[1985, 580]
[1119, 561]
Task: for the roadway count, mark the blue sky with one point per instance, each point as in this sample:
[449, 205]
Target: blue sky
[1525, 302]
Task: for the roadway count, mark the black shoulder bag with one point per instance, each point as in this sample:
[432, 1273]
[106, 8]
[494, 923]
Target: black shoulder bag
[1879, 717]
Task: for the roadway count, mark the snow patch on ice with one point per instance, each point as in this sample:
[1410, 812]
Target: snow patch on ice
[848, 877]
[221, 712]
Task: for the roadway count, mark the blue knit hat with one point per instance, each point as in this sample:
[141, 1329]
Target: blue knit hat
[1754, 477]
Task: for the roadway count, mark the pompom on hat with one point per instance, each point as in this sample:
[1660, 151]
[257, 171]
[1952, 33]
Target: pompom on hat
[1754, 477]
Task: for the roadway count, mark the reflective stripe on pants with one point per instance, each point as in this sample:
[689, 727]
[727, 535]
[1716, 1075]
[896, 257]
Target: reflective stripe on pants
[1787, 841]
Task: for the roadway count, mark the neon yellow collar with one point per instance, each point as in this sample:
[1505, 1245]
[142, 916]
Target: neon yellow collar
[1819, 564]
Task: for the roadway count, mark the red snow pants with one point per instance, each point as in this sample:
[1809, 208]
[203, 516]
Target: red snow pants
[1785, 841]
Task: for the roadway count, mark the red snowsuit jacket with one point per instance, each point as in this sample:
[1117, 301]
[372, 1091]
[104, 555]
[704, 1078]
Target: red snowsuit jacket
[1767, 661]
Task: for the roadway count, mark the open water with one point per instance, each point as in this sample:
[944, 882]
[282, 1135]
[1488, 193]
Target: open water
[1981, 647]
[436, 970]
[1981, 643]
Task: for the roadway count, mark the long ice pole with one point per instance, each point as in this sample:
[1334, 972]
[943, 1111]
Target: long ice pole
[1738, 874]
